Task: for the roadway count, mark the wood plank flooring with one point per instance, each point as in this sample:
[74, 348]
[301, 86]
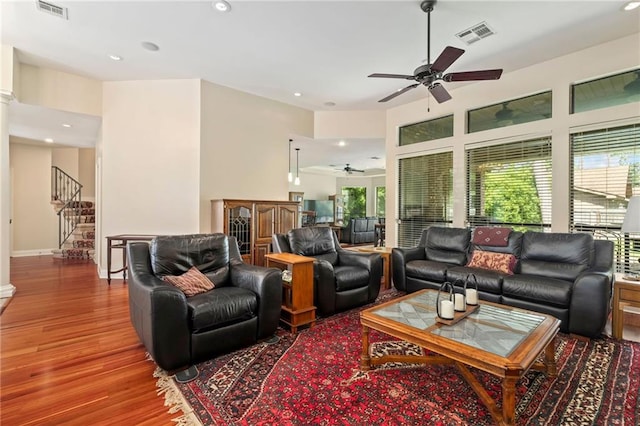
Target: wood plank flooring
[68, 353]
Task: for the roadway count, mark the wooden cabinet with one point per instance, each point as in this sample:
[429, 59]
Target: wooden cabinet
[253, 223]
[297, 297]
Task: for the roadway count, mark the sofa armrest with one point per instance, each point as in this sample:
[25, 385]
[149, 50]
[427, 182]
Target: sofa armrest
[325, 286]
[399, 259]
[267, 284]
[158, 311]
[590, 304]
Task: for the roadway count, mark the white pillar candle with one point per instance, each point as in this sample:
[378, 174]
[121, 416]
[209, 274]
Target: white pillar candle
[446, 309]
[459, 302]
[472, 296]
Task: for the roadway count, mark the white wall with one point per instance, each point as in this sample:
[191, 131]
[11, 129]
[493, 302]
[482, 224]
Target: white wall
[35, 222]
[150, 159]
[315, 187]
[244, 146]
[349, 124]
[556, 75]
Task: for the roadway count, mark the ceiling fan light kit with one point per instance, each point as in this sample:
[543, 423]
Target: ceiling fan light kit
[429, 74]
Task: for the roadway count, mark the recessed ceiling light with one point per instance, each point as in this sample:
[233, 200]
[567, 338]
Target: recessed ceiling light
[150, 46]
[67, 125]
[221, 6]
[115, 57]
[631, 5]
[342, 143]
[48, 140]
[298, 94]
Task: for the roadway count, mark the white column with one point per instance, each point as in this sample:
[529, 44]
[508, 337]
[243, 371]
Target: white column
[6, 288]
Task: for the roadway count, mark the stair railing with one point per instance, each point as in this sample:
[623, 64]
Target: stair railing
[66, 191]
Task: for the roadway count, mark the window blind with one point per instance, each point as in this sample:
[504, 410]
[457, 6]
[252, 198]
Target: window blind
[425, 195]
[510, 185]
[605, 173]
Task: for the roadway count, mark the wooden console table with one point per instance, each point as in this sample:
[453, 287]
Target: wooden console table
[625, 293]
[297, 298]
[120, 242]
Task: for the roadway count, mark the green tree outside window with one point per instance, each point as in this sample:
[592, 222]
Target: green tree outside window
[355, 202]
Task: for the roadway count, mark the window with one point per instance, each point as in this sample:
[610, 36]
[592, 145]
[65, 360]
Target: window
[426, 130]
[510, 185]
[508, 113]
[605, 92]
[380, 200]
[425, 195]
[355, 202]
[605, 173]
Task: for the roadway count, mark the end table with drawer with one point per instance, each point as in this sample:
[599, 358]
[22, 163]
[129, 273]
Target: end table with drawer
[625, 293]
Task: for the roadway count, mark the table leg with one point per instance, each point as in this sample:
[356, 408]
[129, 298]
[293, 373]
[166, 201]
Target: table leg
[109, 261]
[550, 359]
[509, 400]
[617, 314]
[365, 357]
[124, 261]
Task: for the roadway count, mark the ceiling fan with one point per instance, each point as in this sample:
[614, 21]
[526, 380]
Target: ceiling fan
[429, 74]
[349, 170]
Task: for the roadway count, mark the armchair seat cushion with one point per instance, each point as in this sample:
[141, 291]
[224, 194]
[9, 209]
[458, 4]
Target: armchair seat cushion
[428, 270]
[221, 307]
[350, 277]
[538, 289]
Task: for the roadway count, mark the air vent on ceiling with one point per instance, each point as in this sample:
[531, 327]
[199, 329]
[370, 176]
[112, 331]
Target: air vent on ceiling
[59, 11]
[475, 33]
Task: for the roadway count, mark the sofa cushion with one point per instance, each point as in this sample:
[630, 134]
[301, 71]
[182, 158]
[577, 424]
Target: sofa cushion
[449, 245]
[488, 281]
[427, 270]
[493, 236]
[514, 245]
[350, 277]
[191, 282]
[539, 289]
[500, 262]
[221, 307]
[556, 255]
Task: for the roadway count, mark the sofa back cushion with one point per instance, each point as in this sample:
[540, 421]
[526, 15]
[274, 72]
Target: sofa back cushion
[449, 245]
[314, 241]
[556, 255]
[176, 254]
[360, 224]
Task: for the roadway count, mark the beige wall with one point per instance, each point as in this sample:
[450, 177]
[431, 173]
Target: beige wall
[315, 187]
[244, 146]
[557, 75]
[35, 222]
[7, 68]
[87, 172]
[67, 160]
[150, 159]
[60, 90]
[350, 124]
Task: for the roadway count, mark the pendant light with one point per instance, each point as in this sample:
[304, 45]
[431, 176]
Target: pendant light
[297, 181]
[290, 175]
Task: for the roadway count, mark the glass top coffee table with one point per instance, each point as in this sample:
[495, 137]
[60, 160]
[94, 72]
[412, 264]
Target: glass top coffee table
[498, 339]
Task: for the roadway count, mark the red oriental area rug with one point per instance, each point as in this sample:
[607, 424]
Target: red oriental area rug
[314, 378]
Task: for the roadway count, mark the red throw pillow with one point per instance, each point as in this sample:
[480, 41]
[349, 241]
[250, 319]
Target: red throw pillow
[191, 282]
[501, 262]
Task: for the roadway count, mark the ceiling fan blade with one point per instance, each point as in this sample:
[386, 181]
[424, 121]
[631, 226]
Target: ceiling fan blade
[402, 76]
[399, 92]
[448, 56]
[439, 93]
[473, 75]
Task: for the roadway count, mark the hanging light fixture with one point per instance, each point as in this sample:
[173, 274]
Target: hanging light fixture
[290, 175]
[297, 181]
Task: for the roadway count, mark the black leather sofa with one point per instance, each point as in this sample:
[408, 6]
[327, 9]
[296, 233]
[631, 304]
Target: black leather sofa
[178, 331]
[342, 279]
[568, 276]
[359, 230]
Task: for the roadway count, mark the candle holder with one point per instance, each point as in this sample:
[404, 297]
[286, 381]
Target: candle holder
[471, 293]
[445, 308]
[460, 297]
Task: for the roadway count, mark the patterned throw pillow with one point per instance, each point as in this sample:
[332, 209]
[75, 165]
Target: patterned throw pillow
[501, 262]
[191, 282]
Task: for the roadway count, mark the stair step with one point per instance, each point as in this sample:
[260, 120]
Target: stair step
[74, 253]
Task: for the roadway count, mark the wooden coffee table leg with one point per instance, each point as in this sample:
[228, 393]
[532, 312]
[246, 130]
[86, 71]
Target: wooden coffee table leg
[509, 400]
[365, 357]
[550, 359]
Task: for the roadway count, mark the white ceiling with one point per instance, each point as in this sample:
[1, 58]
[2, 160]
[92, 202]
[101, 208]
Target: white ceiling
[322, 49]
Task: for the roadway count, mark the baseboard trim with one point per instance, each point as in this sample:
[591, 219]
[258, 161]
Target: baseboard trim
[26, 253]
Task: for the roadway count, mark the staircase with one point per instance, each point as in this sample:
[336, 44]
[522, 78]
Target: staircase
[76, 218]
[81, 242]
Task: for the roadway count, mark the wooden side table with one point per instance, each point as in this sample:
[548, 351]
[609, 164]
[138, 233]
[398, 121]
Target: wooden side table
[297, 298]
[385, 253]
[625, 293]
[120, 242]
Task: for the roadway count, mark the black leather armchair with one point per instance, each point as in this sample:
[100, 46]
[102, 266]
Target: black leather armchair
[343, 279]
[178, 331]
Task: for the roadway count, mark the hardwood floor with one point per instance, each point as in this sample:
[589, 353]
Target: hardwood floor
[68, 354]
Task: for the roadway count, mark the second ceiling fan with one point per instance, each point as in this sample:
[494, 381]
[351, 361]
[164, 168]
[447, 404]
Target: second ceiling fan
[429, 74]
